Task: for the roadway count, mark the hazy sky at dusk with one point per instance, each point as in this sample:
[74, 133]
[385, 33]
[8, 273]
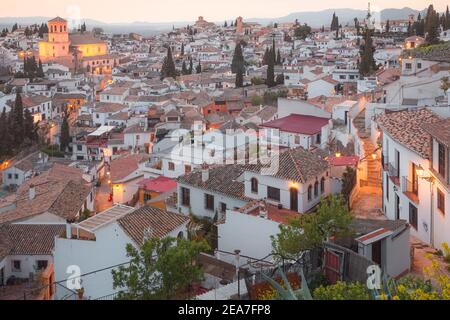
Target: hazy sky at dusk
[188, 10]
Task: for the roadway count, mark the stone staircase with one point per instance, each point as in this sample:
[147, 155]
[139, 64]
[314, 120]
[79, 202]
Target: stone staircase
[373, 166]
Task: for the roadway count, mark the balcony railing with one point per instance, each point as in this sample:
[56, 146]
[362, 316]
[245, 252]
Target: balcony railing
[393, 173]
[410, 189]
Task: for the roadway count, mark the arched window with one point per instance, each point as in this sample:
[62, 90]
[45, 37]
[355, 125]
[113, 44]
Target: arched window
[322, 186]
[310, 193]
[254, 183]
[316, 189]
[180, 235]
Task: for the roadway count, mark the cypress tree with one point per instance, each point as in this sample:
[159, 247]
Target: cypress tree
[432, 25]
[40, 71]
[191, 66]
[64, 138]
[237, 63]
[184, 69]
[5, 146]
[388, 26]
[266, 57]
[199, 67]
[279, 62]
[16, 123]
[182, 49]
[29, 127]
[168, 68]
[367, 65]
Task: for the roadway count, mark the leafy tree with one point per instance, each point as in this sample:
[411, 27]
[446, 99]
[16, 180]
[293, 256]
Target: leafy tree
[257, 81]
[64, 138]
[160, 270]
[348, 182]
[332, 218]
[302, 32]
[445, 84]
[257, 100]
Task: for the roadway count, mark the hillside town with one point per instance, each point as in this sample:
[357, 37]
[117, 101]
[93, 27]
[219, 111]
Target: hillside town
[216, 161]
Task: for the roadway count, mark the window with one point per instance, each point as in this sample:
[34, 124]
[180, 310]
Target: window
[297, 140]
[147, 197]
[16, 176]
[9, 175]
[342, 77]
[419, 65]
[42, 264]
[316, 189]
[441, 201]
[310, 193]
[187, 169]
[413, 216]
[254, 183]
[79, 147]
[16, 265]
[387, 189]
[185, 197]
[322, 186]
[408, 66]
[318, 138]
[223, 207]
[209, 202]
[171, 166]
[273, 193]
[441, 160]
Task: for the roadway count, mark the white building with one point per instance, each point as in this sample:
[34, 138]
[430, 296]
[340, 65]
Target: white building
[100, 242]
[415, 180]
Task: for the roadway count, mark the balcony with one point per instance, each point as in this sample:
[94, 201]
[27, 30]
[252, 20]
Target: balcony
[410, 189]
[393, 174]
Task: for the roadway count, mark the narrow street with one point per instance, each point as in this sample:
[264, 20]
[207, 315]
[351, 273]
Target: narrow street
[102, 196]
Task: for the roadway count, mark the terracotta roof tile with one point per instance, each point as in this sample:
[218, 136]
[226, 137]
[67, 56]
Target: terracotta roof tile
[405, 127]
[159, 222]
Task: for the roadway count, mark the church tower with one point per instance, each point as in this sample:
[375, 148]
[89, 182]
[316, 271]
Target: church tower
[57, 44]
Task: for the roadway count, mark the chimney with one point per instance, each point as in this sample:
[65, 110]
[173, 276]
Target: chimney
[68, 229]
[205, 173]
[263, 210]
[32, 192]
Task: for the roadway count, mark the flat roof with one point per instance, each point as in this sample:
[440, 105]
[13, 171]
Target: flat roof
[102, 130]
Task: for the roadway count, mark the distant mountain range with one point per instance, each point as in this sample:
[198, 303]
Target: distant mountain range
[312, 18]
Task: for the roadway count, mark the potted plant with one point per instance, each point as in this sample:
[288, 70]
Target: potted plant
[80, 293]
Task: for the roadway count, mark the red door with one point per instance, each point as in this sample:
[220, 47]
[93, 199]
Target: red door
[332, 267]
